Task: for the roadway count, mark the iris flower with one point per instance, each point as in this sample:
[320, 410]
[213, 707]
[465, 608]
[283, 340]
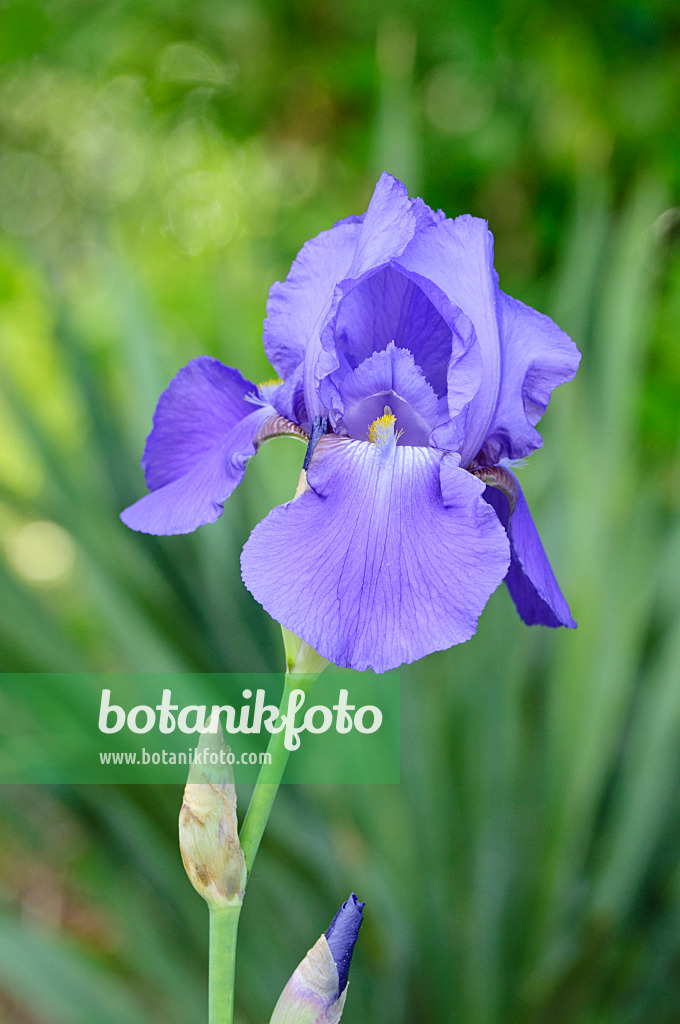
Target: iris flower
[416, 383]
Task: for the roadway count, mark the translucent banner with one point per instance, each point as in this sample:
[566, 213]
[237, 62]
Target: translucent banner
[129, 728]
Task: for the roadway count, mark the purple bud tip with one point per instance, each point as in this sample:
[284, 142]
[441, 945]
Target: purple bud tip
[341, 936]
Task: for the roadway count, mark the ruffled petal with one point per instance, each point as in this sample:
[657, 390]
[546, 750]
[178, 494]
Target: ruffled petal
[389, 225]
[456, 258]
[199, 406]
[530, 578]
[390, 555]
[198, 497]
[389, 307]
[296, 307]
[536, 358]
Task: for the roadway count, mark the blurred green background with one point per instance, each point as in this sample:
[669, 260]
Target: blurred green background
[160, 165]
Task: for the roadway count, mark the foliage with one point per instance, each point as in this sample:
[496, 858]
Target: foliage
[159, 167]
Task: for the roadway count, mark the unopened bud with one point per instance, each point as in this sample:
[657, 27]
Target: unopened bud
[208, 827]
[316, 991]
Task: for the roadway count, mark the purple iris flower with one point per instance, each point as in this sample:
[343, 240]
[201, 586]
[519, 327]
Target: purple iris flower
[416, 382]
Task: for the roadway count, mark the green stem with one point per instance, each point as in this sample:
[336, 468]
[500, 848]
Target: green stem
[223, 928]
[224, 920]
[270, 775]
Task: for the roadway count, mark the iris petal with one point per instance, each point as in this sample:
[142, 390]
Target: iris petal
[199, 406]
[198, 497]
[390, 555]
[388, 307]
[536, 358]
[530, 578]
[387, 297]
[296, 307]
[341, 936]
[204, 431]
[456, 257]
[289, 398]
[389, 225]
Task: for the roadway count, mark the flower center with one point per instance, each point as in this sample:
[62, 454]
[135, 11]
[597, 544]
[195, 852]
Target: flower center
[411, 427]
[381, 431]
[389, 378]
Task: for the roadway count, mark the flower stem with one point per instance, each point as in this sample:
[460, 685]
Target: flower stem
[223, 928]
[270, 775]
[304, 667]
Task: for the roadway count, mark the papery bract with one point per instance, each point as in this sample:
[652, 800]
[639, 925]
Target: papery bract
[419, 382]
[208, 827]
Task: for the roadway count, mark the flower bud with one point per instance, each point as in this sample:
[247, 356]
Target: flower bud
[316, 991]
[208, 827]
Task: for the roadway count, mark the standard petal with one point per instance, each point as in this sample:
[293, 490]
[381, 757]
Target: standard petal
[536, 357]
[391, 221]
[389, 307]
[456, 258]
[296, 306]
[390, 555]
[199, 406]
[530, 578]
[389, 225]
[198, 497]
